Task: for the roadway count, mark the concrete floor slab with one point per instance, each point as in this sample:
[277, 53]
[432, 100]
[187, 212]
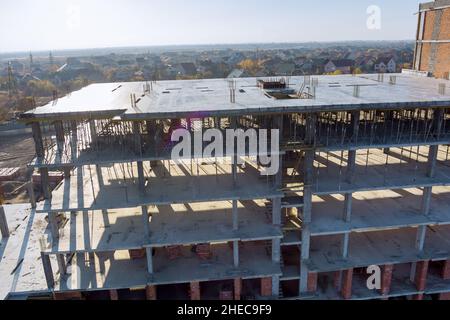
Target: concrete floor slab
[183, 98]
[165, 185]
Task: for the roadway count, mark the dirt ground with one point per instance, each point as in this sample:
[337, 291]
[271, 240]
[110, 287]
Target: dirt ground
[16, 151]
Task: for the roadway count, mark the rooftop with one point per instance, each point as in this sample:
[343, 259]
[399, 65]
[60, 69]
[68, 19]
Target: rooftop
[194, 98]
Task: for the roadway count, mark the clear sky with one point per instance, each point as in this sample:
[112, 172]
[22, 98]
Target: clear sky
[73, 24]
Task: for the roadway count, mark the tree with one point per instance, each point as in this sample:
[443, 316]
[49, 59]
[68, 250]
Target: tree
[40, 88]
[336, 73]
[249, 65]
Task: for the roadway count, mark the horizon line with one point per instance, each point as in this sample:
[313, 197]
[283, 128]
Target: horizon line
[199, 44]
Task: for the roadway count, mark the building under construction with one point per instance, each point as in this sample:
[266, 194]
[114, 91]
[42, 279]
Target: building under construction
[363, 181]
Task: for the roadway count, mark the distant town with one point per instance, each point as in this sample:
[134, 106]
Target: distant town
[31, 79]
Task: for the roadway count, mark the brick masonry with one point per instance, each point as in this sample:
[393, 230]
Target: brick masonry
[312, 282]
[347, 280]
[150, 293]
[266, 287]
[113, 295]
[194, 291]
[386, 279]
[445, 296]
[237, 288]
[420, 278]
[434, 57]
[445, 273]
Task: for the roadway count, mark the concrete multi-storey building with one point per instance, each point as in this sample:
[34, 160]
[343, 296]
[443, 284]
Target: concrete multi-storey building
[433, 39]
[359, 208]
[363, 182]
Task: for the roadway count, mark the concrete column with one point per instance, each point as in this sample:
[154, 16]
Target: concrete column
[348, 201]
[31, 194]
[347, 281]
[37, 137]
[54, 227]
[307, 201]
[48, 270]
[149, 254]
[355, 125]
[150, 292]
[61, 264]
[45, 183]
[3, 222]
[304, 257]
[351, 166]
[426, 200]
[420, 242]
[59, 130]
[137, 138]
[345, 244]
[276, 211]
[276, 245]
[93, 131]
[386, 279]
[146, 223]
[432, 159]
[236, 253]
[235, 215]
[195, 290]
[141, 176]
[276, 286]
[74, 139]
[237, 288]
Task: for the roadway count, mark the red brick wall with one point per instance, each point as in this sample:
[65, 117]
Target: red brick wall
[312, 282]
[442, 60]
[446, 270]
[266, 287]
[195, 291]
[442, 64]
[237, 288]
[386, 279]
[421, 275]
[347, 280]
[150, 292]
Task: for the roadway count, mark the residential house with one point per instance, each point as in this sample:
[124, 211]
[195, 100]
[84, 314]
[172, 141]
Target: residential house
[383, 65]
[343, 65]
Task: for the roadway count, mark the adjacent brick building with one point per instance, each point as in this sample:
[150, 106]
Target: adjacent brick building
[433, 39]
